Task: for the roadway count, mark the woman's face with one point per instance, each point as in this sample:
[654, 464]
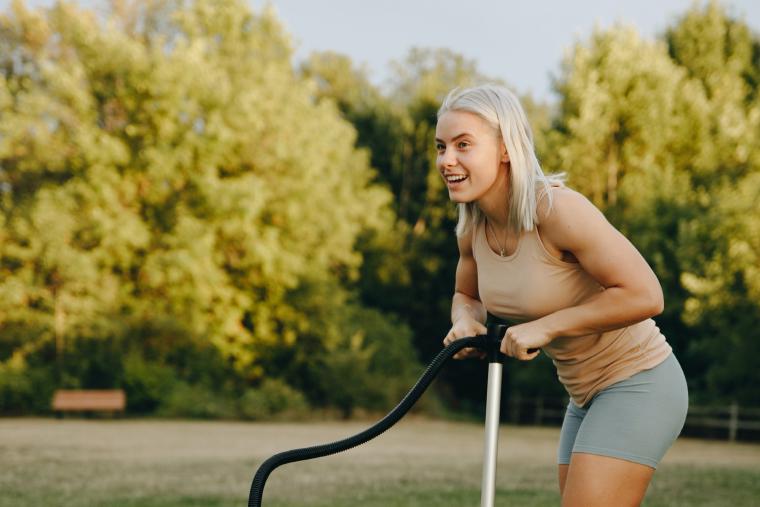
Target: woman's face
[471, 157]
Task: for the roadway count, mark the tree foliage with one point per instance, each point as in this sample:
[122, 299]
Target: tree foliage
[185, 215]
[411, 272]
[166, 164]
[663, 135]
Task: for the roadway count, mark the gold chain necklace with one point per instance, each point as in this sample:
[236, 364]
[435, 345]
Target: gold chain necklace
[502, 249]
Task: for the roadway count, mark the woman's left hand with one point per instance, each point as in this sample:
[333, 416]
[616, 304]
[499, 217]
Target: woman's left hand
[523, 337]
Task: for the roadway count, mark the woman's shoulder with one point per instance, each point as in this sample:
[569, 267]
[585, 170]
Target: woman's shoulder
[559, 203]
[569, 221]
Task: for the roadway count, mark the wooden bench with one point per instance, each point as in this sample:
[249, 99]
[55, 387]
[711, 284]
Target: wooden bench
[102, 400]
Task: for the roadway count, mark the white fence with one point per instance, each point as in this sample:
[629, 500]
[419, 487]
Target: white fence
[733, 418]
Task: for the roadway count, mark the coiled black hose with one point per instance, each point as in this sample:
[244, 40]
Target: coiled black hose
[319, 451]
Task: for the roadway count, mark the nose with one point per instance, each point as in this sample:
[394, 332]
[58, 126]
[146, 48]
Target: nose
[447, 159]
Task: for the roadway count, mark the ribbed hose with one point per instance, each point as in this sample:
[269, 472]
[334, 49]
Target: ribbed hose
[318, 451]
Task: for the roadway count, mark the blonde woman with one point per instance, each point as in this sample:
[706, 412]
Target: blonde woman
[539, 254]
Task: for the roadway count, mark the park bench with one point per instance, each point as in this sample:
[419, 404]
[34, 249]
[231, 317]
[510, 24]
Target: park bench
[101, 400]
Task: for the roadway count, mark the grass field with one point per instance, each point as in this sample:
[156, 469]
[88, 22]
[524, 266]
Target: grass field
[141, 463]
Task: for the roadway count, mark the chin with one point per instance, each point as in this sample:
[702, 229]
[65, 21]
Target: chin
[459, 199]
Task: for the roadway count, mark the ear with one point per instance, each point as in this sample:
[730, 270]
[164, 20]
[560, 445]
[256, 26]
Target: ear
[504, 153]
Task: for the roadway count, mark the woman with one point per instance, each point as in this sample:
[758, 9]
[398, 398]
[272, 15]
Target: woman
[535, 252]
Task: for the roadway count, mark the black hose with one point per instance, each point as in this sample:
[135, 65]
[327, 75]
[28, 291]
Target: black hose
[318, 451]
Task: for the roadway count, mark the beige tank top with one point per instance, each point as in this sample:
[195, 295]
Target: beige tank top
[532, 283]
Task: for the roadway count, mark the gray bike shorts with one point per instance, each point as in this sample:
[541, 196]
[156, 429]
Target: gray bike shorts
[636, 419]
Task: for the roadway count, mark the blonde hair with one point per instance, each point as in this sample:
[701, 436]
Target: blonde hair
[501, 109]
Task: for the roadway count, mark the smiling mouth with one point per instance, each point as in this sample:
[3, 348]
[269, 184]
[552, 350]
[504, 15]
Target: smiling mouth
[455, 178]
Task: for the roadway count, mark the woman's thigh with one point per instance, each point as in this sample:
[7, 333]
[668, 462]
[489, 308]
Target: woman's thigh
[637, 419]
[601, 481]
[627, 427]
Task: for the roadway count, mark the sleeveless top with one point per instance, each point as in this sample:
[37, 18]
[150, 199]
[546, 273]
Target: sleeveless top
[531, 283]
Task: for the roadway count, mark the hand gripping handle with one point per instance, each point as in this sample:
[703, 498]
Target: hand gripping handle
[491, 341]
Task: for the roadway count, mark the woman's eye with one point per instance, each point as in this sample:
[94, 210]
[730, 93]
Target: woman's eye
[439, 147]
[463, 144]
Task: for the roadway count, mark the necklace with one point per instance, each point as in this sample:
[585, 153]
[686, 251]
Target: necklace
[502, 249]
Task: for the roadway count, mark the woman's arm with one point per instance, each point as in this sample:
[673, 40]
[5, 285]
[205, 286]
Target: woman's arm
[468, 314]
[632, 292]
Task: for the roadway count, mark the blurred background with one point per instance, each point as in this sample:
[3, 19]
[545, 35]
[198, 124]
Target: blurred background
[230, 209]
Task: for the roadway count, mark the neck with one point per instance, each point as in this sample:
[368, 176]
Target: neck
[495, 203]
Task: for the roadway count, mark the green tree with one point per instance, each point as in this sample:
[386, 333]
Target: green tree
[661, 136]
[720, 245]
[624, 135]
[166, 164]
[411, 271]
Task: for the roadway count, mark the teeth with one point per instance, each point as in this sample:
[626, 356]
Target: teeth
[454, 179]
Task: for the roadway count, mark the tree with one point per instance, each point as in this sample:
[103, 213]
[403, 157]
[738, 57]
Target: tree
[410, 272]
[624, 134]
[719, 254]
[166, 164]
[660, 136]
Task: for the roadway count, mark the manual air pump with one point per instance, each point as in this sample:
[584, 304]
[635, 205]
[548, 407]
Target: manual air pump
[490, 343]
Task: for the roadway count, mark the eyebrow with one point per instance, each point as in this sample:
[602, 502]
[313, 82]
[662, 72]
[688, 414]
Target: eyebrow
[463, 134]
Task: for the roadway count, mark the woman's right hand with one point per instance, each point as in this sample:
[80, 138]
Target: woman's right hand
[465, 327]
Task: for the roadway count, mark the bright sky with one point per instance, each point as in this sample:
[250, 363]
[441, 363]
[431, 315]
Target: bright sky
[521, 42]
